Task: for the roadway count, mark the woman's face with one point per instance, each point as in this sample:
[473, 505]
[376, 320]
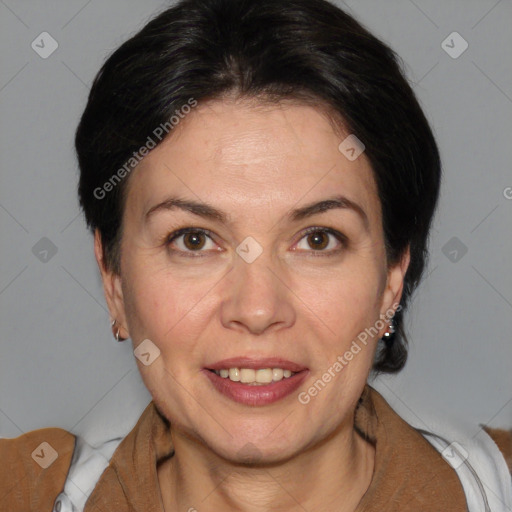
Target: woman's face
[252, 282]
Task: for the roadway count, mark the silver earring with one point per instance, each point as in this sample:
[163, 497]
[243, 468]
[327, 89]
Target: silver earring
[388, 335]
[116, 334]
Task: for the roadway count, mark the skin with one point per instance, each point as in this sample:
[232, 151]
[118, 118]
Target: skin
[256, 162]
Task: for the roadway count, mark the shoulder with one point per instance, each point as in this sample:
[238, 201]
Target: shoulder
[478, 462]
[33, 468]
[476, 458]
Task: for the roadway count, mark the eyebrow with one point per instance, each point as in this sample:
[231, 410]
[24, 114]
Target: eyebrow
[209, 212]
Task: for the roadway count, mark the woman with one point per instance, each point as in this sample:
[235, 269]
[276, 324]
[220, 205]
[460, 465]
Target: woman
[260, 181]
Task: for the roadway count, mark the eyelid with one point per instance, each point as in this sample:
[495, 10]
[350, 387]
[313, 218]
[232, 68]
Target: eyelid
[183, 231]
[168, 239]
[342, 239]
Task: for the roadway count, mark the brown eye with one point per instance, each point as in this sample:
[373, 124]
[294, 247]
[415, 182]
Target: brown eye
[318, 240]
[190, 240]
[194, 241]
[322, 240]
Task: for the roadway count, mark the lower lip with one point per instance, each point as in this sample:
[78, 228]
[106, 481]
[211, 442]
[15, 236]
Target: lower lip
[261, 394]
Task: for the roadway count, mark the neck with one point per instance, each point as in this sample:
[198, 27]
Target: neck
[333, 475]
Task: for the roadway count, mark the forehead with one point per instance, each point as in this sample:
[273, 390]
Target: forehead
[240, 155]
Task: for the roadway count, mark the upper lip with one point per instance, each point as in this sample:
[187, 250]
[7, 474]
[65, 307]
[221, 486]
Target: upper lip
[256, 363]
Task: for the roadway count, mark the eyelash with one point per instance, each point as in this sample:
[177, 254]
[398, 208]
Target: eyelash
[315, 229]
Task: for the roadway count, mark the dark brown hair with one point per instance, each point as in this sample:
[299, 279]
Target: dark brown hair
[204, 49]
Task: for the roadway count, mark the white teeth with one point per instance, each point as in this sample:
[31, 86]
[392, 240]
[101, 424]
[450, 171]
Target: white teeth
[277, 374]
[254, 377]
[247, 375]
[264, 376]
[234, 374]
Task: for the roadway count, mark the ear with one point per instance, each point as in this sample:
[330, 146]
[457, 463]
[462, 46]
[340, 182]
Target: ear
[394, 287]
[112, 288]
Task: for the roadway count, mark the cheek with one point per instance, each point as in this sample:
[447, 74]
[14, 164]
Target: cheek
[162, 306]
[349, 306]
[346, 302]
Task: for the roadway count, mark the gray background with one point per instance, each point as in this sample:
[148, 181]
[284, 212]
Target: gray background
[60, 366]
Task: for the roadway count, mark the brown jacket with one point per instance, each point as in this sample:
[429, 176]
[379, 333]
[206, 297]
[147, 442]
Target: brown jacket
[409, 474]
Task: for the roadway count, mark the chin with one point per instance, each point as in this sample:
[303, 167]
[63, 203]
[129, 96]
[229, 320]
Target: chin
[244, 448]
[251, 454]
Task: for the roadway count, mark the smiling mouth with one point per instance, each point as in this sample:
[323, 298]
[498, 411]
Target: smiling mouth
[254, 377]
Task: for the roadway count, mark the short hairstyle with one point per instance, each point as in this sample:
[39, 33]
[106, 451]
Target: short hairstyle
[307, 50]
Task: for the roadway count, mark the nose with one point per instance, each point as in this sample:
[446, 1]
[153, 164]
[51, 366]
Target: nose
[256, 298]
